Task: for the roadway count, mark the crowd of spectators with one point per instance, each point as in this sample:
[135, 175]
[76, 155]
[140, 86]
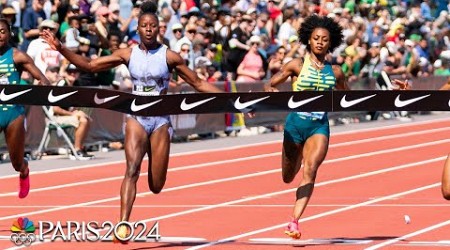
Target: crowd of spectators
[244, 40]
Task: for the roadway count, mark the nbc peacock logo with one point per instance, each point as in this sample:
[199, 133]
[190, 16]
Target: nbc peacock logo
[22, 232]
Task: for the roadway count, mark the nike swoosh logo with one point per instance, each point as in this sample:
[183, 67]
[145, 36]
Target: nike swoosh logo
[6, 97]
[3, 60]
[346, 104]
[187, 106]
[52, 98]
[293, 104]
[137, 107]
[242, 105]
[99, 101]
[399, 103]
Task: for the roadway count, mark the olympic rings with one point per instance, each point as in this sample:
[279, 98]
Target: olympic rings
[23, 239]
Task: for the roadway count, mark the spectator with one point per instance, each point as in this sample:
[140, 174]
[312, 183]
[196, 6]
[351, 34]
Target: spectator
[177, 30]
[238, 45]
[106, 78]
[41, 53]
[253, 67]
[9, 13]
[32, 17]
[191, 30]
[73, 33]
[72, 11]
[441, 68]
[102, 23]
[162, 31]
[75, 117]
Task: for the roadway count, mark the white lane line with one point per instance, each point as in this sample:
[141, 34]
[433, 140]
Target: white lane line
[239, 147]
[215, 163]
[237, 206]
[424, 230]
[313, 217]
[267, 195]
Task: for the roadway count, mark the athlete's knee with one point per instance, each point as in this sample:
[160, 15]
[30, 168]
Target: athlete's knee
[157, 186]
[310, 171]
[446, 193]
[288, 177]
[132, 172]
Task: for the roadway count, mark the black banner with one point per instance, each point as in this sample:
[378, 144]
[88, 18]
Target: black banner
[200, 103]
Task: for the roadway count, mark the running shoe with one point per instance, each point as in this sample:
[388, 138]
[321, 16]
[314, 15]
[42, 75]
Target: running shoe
[292, 230]
[82, 155]
[24, 186]
[123, 232]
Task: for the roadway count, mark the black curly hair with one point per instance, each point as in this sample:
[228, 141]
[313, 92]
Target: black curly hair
[149, 8]
[314, 22]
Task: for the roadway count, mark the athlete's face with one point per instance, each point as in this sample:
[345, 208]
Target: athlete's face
[320, 41]
[148, 28]
[4, 35]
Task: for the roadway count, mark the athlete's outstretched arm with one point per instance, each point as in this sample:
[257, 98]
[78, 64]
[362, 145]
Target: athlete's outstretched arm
[120, 56]
[25, 61]
[175, 61]
[292, 68]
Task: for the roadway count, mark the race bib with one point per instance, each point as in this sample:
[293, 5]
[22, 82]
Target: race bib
[313, 115]
[4, 80]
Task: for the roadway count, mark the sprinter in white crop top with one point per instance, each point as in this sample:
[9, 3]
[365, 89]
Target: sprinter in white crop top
[150, 64]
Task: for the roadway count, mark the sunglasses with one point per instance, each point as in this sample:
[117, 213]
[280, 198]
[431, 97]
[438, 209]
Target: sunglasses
[185, 50]
[254, 43]
[47, 28]
[176, 31]
[192, 31]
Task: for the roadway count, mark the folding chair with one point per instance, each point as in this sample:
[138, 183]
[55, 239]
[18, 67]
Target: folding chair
[52, 125]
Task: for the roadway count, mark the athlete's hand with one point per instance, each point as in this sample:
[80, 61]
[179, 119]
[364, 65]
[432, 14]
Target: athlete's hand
[402, 85]
[51, 39]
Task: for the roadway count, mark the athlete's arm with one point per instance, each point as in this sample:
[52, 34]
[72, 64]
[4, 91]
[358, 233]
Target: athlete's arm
[175, 61]
[118, 57]
[341, 81]
[292, 68]
[25, 61]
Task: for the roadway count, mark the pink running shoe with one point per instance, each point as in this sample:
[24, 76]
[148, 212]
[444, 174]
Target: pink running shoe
[292, 230]
[24, 185]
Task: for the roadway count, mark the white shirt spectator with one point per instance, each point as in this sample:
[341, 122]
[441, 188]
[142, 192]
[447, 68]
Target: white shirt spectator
[42, 55]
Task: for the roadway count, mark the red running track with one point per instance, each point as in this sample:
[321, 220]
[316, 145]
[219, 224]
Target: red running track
[235, 198]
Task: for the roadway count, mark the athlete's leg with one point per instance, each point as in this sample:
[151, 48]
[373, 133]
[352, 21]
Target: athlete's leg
[291, 157]
[15, 140]
[446, 179]
[158, 158]
[314, 153]
[136, 144]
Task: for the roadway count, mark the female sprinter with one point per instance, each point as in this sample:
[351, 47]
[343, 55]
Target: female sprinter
[143, 135]
[12, 116]
[306, 134]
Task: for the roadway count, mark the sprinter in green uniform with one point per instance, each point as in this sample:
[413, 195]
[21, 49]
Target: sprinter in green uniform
[306, 134]
[12, 116]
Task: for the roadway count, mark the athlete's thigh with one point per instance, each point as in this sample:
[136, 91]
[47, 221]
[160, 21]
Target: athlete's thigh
[15, 139]
[315, 149]
[159, 150]
[136, 142]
